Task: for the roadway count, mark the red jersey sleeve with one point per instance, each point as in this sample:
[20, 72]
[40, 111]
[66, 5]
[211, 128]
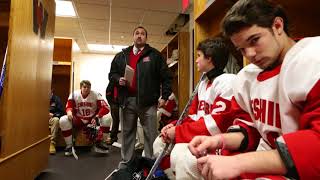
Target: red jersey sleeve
[103, 108]
[300, 149]
[208, 124]
[70, 105]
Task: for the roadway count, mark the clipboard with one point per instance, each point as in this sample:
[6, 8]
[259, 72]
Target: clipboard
[128, 74]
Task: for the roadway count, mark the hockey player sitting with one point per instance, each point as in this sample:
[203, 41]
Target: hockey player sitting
[280, 91]
[213, 97]
[83, 107]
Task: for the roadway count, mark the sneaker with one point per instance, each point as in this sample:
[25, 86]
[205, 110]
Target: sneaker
[52, 149]
[68, 151]
[110, 141]
[138, 146]
[101, 147]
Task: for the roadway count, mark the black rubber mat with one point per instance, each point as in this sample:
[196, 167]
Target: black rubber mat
[90, 166]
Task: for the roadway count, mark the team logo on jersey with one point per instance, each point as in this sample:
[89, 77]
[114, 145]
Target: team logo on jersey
[267, 112]
[146, 59]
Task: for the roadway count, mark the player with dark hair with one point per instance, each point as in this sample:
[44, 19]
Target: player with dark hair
[213, 98]
[279, 90]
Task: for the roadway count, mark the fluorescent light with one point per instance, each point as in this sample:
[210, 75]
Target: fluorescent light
[105, 48]
[76, 46]
[65, 9]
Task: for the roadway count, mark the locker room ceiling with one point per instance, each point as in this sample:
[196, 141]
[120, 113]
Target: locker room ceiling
[155, 15]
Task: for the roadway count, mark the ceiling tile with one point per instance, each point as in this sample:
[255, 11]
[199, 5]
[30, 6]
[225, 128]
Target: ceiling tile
[130, 15]
[92, 11]
[159, 18]
[93, 24]
[156, 16]
[158, 5]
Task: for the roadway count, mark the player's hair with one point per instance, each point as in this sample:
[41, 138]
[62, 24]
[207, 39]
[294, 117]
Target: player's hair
[85, 82]
[140, 27]
[215, 48]
[246, 13]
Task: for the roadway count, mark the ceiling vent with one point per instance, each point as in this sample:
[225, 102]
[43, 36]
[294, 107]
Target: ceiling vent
[177, 24]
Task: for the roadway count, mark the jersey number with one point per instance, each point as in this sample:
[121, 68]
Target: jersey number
[220, 106]
[85, 112]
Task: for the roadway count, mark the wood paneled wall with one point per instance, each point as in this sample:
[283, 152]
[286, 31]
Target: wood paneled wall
[4, 12]
[184, 70]
[180, 71]
[61, 82]
[62, 50]
[25, 100]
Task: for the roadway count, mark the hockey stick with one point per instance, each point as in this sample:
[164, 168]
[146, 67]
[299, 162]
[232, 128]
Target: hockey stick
[114, 171]
[74, 106]
[183, 114]
[3, 72]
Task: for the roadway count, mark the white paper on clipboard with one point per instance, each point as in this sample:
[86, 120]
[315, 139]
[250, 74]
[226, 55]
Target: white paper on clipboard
[128, 74]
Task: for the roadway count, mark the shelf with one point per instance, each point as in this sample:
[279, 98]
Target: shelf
[61, 63]
[180, 68]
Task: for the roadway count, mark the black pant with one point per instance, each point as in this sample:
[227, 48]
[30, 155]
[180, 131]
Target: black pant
[115, 121]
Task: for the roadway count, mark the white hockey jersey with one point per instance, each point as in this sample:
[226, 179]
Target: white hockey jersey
[212, 98]
[86, 108]
[284, 105]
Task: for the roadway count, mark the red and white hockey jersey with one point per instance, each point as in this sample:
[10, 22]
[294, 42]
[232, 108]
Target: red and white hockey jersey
[86, 108]
[170, 106]
[213, 98]
[284, 105]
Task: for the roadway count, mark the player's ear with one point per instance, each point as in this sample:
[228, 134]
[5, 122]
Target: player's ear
[278, 25]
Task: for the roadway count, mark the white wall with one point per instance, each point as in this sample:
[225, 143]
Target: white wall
[93, 67]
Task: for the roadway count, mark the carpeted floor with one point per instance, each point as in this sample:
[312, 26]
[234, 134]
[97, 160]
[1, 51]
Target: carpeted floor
[90, 166]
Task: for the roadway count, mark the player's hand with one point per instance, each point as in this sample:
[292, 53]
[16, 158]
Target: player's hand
[94, 120]
[171, 134]
[164, 134]
[50, 115]
[70, 116]
[161, 103]
[200, 145]
[122, 81]
[214, 167]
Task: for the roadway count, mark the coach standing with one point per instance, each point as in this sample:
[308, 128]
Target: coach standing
[139, 98]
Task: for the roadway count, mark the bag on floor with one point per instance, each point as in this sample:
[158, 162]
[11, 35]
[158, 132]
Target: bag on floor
[138, 169]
